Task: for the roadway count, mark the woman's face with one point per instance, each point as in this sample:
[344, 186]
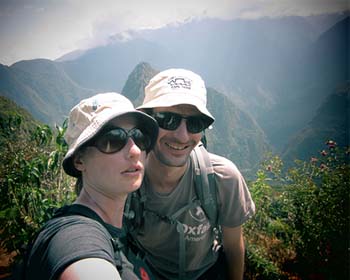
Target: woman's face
[113, 174]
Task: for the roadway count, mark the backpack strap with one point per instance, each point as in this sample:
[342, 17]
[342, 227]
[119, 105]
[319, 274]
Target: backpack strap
[206, 190]
[180, 228]
[205, 183]
[134, 210]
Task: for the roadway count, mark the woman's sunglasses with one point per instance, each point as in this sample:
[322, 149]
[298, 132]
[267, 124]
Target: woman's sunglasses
[115, 139]
[171, 121]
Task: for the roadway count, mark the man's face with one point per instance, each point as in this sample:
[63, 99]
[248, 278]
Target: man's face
[173, 147]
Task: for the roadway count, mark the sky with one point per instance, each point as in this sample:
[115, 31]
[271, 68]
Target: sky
[32, 29]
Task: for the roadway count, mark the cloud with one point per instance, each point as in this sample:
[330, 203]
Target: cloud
[36, 28]
[278, 8]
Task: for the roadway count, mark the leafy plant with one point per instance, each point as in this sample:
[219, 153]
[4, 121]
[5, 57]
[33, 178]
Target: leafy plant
[32, 181]
[318, 200]
[301, 226]
[268, 233]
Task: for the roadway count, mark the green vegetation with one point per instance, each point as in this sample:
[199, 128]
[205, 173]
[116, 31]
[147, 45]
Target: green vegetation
[32, 182]
[300, 230]
[301, 227]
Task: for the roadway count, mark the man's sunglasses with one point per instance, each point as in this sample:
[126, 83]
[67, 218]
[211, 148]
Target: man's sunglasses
[114, 139]
[171, 121]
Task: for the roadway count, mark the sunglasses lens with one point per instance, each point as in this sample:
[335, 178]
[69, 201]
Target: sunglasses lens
[171, 121]
[196, 124]
[142, 140]
[115, 139]
[112, 141]
[167, 120]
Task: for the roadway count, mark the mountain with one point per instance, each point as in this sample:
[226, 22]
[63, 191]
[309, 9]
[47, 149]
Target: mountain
[134, 87]
[235, 134]
[231, 55]
[308, 80]
[322, 22]
[276, 69]
[106, 68]
[71, 55]
[270, 76]
[42, 87]
[330, 123]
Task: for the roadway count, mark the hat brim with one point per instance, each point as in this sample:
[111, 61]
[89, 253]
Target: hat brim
[168, 100]
[142, 120]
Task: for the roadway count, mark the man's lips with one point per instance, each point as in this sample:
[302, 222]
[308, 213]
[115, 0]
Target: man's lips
[177, 146]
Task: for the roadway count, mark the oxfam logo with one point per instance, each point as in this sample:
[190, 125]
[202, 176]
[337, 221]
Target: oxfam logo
[198, 214]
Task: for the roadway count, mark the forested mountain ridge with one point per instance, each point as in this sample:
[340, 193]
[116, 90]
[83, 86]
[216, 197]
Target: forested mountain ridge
[42, 87]
[331, 123]
[278, 70]
[266, 78]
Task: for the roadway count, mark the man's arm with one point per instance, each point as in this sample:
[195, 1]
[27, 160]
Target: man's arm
[234, 251]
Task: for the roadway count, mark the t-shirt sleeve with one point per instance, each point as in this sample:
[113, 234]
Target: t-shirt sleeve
[72, 242]
[235, 202]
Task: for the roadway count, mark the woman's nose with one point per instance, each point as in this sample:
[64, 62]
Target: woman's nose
[133, 149]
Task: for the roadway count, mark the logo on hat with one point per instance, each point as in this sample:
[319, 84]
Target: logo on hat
[179, 82]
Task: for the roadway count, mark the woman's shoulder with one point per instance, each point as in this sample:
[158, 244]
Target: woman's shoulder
[75, 216]
[66, 233]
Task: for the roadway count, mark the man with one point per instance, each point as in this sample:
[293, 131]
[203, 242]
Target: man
[176, 98]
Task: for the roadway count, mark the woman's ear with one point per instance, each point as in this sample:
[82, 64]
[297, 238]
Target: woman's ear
[78, 161]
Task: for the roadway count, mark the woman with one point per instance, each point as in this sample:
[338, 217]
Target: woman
[108, 140]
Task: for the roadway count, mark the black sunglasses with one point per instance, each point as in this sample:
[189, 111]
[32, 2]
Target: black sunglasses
[114, 139]
[171, 121]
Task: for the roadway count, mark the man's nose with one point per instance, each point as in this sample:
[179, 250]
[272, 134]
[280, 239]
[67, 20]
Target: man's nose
[181, 132]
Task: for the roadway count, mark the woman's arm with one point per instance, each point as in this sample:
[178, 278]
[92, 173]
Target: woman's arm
[90, 269]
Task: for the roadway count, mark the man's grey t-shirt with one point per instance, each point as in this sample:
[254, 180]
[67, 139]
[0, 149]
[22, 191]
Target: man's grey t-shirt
[161, 240]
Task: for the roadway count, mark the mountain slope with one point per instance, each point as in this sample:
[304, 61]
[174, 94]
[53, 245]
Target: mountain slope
[12, 87]
[134, 87]
[277, 69]
[107, 68]
[274, 72]
[41, 87]
[232, 56]
[235, 134]
[330, 123]
[313, 75]
[11, 115]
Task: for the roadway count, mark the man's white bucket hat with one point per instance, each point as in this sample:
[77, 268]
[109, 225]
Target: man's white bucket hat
[174, 87]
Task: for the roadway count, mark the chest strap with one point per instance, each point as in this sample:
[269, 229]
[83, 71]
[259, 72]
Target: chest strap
[173, 219]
